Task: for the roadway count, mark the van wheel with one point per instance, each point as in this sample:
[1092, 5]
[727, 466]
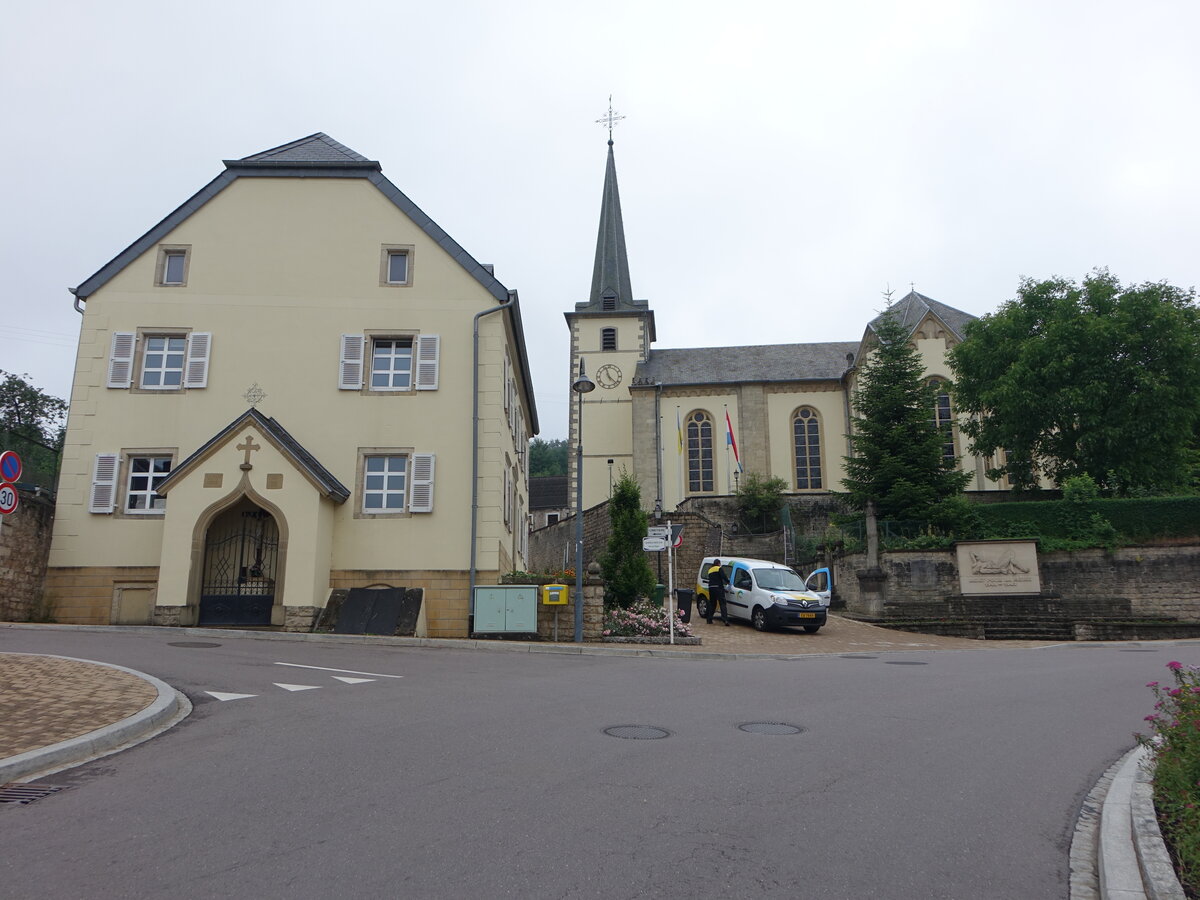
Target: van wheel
[812, 629]
[702, 607]
[758, 619]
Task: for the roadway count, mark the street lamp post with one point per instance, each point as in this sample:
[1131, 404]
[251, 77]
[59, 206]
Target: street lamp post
[580, 386]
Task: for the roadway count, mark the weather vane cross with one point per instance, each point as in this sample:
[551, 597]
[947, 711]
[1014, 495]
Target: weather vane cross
[609, 119]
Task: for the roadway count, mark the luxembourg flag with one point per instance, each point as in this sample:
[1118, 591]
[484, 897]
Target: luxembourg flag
[729, 441]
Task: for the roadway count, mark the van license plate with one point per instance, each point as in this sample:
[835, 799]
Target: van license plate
[808, 615]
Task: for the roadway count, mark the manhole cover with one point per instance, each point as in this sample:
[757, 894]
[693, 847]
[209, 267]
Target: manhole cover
[905, 662]
[637, 732]
[26, 793]
[192, 644]
[857, 656]
[770, 728]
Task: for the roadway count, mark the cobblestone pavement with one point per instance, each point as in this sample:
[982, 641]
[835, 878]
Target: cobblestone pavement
[838, 636]
[48, 699]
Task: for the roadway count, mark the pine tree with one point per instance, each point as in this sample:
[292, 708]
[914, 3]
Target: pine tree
[897, 448]
[627, 574]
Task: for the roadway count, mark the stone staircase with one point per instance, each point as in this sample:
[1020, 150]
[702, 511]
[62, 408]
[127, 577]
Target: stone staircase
[1033, 618]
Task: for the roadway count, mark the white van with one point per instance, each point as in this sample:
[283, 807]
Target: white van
[767, 594]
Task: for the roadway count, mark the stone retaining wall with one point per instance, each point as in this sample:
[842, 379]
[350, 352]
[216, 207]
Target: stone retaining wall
[24, 546]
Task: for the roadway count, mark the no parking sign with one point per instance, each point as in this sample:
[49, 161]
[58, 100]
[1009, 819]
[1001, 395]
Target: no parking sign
[10, 466]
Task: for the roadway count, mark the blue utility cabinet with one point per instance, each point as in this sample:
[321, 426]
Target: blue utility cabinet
[501, 608]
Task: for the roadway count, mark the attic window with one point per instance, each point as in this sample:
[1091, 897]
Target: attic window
[172, 267]
[395, 267]
[608, 300]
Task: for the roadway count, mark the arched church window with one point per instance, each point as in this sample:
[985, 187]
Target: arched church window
[700, 452]
[806, 438]
[608, 339]
[943, 419]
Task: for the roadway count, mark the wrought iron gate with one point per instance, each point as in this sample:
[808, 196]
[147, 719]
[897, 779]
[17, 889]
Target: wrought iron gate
[240, 556]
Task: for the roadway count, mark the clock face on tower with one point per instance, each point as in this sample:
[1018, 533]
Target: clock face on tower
[608, 376]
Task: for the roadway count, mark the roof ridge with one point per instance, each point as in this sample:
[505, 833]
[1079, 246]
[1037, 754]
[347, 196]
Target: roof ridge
[325, 147]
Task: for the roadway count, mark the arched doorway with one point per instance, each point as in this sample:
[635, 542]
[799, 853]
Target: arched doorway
[241, 552]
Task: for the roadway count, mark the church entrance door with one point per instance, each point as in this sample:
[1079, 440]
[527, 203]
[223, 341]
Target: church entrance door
[241, 551]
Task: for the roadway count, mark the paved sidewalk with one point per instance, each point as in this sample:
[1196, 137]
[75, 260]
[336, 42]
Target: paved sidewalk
[56, 711]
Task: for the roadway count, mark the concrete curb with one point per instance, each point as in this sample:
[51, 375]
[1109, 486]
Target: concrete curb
[1132, 862]
[167, 709]
[493, 646]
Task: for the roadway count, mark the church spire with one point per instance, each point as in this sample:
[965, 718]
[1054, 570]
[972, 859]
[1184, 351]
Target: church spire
[610, 276]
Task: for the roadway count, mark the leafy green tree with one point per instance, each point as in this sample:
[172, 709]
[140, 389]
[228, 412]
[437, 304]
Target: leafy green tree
[759, 500]
[547, 457]
[897, 447]
[1095, 379]
[627, 574]
[33, 424]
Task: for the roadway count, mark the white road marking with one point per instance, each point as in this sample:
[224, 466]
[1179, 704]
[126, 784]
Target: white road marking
[298, 687]
[352, 680]
[223, 697]
[347, 671]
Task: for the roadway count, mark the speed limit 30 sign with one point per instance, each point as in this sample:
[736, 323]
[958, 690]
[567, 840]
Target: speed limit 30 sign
[8, 498]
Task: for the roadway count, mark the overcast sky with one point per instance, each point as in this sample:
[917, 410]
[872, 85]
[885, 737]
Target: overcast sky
[781, 164]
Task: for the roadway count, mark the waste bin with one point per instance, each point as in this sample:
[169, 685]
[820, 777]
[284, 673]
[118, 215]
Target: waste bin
[657, 597]
[684, 598]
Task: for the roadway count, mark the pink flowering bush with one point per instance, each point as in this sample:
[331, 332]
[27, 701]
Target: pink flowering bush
[1174, 744]
[642, 619]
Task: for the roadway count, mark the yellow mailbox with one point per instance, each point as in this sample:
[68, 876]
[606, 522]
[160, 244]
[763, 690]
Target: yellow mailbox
[555, 594]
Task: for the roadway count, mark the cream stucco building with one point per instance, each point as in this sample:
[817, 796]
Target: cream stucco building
[295, 382]
[666, 416]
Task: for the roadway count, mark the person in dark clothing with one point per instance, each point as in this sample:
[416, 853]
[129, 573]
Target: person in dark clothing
[716, 593]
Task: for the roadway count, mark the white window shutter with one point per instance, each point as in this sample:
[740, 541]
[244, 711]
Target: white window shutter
[428, 353]
[420, 498]
[350, 367]
[199, 348]
[506, 385]
[104, 483]
[120, 359]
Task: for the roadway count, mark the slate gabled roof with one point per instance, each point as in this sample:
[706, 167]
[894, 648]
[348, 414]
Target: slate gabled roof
[913, 307]
[728, 365]
[548, 492]
[318, 147]
[321, 477]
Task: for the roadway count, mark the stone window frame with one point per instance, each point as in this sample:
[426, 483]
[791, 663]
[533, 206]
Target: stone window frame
[691, 421]
[360, 479]
[814, 419]
[126, 455]
[943, 419]
[160, 265]
[386, 252]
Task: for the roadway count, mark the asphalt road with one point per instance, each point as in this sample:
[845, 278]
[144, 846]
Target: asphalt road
[949, 774]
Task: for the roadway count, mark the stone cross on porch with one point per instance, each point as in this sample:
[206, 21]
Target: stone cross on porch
[248, 446]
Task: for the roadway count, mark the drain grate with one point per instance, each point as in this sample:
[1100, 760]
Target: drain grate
[770, 728]
[904, 662]
[27, 793]
[204, 644]
[637, 732]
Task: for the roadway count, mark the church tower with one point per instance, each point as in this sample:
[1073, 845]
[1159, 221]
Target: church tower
[611, 334]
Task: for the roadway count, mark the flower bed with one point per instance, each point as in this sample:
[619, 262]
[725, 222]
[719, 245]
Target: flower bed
[1174, 746]
[641, 620]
